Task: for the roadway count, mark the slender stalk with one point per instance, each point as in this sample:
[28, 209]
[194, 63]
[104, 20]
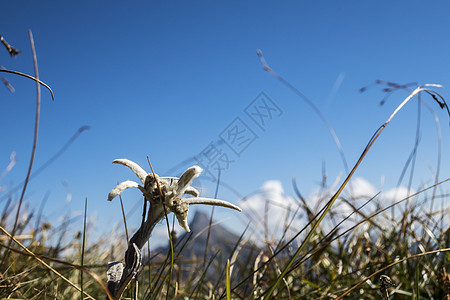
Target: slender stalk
[124, 218]
[228, 280]
[211, 217]
[33, 151]
[36, 130]
[83, 247]
[30, 77]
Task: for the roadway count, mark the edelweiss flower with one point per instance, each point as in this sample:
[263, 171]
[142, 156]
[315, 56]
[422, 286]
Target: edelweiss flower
[172, 189]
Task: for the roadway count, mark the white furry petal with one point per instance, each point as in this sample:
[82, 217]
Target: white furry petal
[121, 187]
[186, 179]
[183, 223]
[210, 201]
[133, 166]
[192, 191]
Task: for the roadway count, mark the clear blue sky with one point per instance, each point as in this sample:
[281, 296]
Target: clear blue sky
[167, 78]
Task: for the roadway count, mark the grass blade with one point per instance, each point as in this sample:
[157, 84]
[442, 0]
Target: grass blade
[82, 249]
[228, 281]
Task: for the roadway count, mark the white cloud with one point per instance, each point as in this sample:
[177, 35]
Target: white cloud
[271, 211]
[396, 194]
[361, 188]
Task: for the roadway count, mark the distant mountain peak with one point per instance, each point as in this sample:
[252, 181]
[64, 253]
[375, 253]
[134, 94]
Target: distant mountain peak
[199, 222]
[221, 244]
